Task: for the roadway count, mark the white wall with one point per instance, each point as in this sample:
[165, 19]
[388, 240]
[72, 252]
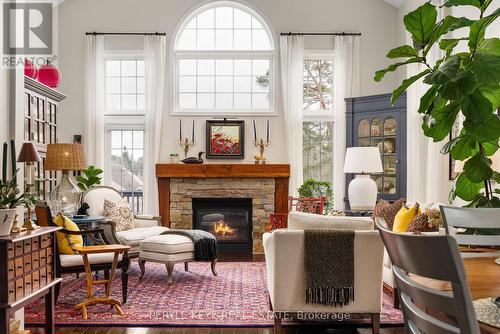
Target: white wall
[375, 19]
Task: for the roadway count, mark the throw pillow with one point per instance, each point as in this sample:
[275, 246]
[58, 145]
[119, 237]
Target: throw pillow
[66, 242]
[404, 217]
[389, 212]
[420, 223]
[379, 207]
[119, 213]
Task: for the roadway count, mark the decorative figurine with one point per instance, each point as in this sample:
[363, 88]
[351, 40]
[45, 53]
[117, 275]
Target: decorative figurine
[193, 160]
[83, 211]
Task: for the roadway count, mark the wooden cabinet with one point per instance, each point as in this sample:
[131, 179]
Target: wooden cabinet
[23, 276]
[41, 108]
[373, 121]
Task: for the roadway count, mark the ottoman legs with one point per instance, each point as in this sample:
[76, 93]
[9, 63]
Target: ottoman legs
[170, 272]
[214, 262]
[142, 263]
[186, 266]
[170, 269]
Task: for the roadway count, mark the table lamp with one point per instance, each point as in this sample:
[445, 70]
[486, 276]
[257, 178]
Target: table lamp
[362, 190]
[65, 197]
[29, 155]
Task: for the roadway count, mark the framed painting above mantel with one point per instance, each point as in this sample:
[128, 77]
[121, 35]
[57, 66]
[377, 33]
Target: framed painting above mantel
[225, 139]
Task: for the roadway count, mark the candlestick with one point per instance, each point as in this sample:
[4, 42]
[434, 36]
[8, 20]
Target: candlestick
[192, 133]
[261, 144]
[13, 157]
[186, 144]
[267, 138]
[4, 163]
[180, 129]
[254, 132]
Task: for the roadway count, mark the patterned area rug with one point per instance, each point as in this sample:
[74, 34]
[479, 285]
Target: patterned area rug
[236, 297]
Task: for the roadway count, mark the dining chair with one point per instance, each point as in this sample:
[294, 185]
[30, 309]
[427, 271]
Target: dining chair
[473, 218]
[302, 204]
[426, 309]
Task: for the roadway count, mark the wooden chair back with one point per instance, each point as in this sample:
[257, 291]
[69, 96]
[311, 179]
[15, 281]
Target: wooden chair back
[307, 204]
[43, 214]
[434, 257]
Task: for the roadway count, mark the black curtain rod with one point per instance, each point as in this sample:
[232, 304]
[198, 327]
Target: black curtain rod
[320, 34]
[127, 33]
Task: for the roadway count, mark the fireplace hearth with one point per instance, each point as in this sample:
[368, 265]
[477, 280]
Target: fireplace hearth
[228, 219]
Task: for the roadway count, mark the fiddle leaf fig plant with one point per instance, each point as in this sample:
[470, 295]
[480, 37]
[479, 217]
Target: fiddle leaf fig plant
[463, 84]
[92, 178]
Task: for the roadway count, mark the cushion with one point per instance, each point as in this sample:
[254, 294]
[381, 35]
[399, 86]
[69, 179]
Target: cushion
[120, 213]
[404, 217]
[134, 236]
[302, 220]
[168, 244]
[379, 207]
[389, 212]
[65, 242]
[77, 260]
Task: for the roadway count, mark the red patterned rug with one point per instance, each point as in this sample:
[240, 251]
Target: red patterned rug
[236, 297]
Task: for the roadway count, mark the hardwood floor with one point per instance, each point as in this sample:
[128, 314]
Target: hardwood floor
[223, 257]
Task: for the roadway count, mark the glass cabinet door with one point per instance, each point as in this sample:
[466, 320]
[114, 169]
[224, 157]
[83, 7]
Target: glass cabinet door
[381, 132]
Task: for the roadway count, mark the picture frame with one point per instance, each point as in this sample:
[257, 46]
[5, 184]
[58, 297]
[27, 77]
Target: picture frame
[225, 139]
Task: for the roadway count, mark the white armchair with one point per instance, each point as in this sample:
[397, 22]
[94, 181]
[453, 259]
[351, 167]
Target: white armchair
[145, 226]
[284, 252]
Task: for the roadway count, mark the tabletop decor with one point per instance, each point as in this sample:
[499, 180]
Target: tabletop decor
[90, 178]
[487, 312]
[362, 190]
[261, 144]
[194, 160]
[462, 82]
[29, 155]
[65, 197]
[10, 195]
[49, 75]
[225, 139]
[186, 143]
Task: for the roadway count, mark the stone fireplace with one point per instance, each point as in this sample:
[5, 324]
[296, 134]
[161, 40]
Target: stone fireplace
[261, 189]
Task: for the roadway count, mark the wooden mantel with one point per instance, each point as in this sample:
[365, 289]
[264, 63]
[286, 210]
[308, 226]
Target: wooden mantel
[280, 172]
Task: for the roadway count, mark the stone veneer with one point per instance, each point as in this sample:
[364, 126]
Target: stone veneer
[260, 190]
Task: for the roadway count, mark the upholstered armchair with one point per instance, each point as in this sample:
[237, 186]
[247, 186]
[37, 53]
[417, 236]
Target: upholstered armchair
[145, 226]
[284, 252]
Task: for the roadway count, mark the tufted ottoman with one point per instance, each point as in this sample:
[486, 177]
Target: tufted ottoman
[168, 249]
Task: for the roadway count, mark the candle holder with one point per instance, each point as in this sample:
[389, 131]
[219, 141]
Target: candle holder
[261, 144]
[186, 144]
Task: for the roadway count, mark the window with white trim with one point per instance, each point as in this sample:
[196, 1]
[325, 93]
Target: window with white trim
[318, 115]
[224, 54]
[124, 85]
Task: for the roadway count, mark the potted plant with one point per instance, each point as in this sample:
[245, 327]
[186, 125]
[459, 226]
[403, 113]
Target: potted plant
[313, 188]
[174, 158]
[10, 195]
[91, 178]
[466, 83]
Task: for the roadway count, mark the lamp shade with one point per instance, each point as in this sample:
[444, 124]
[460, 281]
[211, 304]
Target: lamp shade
[65, 157]
[28, 153]
[363, 160]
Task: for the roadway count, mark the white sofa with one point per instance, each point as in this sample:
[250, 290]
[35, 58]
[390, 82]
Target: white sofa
[284, 253]
[145, 226]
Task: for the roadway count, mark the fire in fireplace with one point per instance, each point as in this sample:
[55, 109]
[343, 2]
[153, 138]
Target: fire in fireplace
[228, 219]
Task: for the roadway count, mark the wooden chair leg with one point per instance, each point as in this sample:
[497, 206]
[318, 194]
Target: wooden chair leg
[186, 266]
[106, 276]
[277, 324]
[375, 323]
[395, 298]
[124, 284]
[57, 291]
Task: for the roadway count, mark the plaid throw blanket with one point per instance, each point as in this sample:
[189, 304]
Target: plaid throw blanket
[329, 266]
[205, 244]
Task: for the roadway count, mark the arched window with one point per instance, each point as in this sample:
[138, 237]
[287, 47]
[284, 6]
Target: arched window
[224, 55]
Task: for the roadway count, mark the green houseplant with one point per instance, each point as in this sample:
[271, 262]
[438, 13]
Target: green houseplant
[460, 82]
[314, 188]
[10, 195]
[90, 178]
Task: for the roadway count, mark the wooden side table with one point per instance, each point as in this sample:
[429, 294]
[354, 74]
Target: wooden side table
[106, 299]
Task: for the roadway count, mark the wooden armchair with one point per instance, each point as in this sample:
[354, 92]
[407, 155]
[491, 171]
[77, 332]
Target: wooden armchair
[73, 264]
[302, 204]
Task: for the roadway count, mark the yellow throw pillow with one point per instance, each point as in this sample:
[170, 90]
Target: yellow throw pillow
[404, 217]
[65, 242]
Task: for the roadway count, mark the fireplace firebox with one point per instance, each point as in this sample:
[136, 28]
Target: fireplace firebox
[228, 219]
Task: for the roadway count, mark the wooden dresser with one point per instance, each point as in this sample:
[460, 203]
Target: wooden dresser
[27, 274]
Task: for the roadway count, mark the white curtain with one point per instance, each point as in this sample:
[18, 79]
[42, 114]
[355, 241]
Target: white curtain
[427, 171]
[346, 84]
[93, 137]
[155, 60]
[292, 59]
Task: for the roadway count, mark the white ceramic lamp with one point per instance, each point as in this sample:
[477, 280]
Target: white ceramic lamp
[362, 190]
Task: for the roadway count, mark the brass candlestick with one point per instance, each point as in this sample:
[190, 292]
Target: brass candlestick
[261, 144]
[186, 144]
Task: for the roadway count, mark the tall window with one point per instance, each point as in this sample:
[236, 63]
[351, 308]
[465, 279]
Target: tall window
[224, 61]
[124, 123]
[318, 117]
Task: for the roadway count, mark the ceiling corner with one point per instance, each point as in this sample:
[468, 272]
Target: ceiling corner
[395, 3]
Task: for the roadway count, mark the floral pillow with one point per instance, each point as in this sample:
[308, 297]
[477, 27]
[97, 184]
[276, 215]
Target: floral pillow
[119, 213]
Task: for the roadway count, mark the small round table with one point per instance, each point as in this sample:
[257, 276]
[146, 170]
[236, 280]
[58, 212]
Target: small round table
[90, 221]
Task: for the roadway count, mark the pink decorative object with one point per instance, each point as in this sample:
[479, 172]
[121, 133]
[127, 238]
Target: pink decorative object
[49, 75]
[30, 69]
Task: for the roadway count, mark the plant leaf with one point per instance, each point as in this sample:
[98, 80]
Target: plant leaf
[446, 71]
[477, 29]
[486, 131]
[464, 147]
[391, 68]
[496, 178]
[427, 99]
[443, 119]
[486, 66]
[490, 147]
[420, 23]
[402, 52]
[492, 94]
[460, 85]
[406, 83]
[466, 189]
[478, 168]
[476, 107]
[449, 23]
[447, 43]
[475, 3]
[490, 45]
